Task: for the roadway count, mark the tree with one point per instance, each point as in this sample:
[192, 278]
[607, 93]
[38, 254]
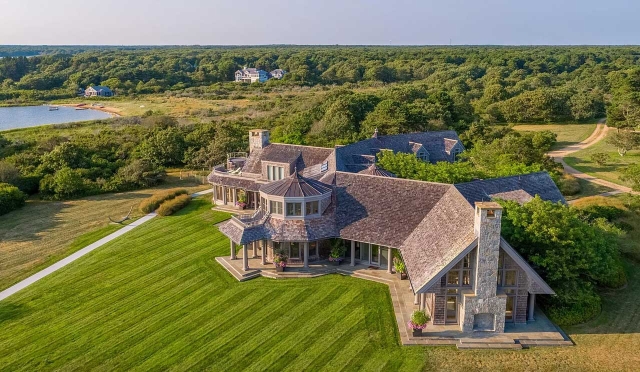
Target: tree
[65, 183]
[406, 165]
[632, 175]
[8, 173]
[164, 147]
[624, 141]
[388, 117]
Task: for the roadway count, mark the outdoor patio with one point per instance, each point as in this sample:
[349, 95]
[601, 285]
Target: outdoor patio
[540, 332]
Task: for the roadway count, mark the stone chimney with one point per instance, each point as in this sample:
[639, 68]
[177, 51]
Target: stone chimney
[484, 310]
[258, 139]
[487, 228]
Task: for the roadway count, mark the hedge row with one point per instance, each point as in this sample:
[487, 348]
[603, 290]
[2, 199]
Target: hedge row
[152, 203]
[170, 207]
[10, 198]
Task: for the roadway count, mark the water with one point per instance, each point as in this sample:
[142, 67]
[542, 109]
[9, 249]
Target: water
[33, 116]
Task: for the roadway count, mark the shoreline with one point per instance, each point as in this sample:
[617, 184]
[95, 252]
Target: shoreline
[110, 110]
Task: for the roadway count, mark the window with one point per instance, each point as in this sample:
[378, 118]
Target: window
[311, 208]
[275, 173]
[294, 209]
[460, 275]
[491, 213]
[275, 207]
[510, 278]
[423, 156]
[313, 249]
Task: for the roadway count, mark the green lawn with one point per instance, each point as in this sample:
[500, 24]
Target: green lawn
[155, 299]
[588, 189]
[581, 160]
[568, 134]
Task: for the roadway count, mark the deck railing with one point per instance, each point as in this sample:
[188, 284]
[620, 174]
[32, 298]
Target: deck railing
[251, 219]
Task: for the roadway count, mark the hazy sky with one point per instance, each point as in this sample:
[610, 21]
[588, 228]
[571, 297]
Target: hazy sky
[319, 22]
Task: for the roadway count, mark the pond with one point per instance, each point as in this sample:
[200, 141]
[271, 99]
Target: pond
[33, 116]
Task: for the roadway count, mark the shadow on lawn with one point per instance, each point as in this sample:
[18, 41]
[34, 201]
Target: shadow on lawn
[10, 311]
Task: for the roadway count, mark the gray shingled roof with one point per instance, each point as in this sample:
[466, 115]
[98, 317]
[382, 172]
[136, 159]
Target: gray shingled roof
[437, 144]
[512, 188]
[296, 186]
[303, 156]
[374, 170]
[382, 210]
[231, 181]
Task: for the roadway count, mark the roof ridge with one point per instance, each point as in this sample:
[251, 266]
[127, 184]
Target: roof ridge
[503, 178]
[395, 178]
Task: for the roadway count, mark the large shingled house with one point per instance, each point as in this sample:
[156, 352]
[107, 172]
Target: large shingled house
[460, 269]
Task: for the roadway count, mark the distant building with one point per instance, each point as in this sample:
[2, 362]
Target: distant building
[252, 75]
[98, 91]
[278, 73]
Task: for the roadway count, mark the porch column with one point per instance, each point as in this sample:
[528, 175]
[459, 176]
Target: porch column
[233, 250]
[390, 261]
[423, 301]
[213, 194]
[235, 196]
[245, 257]
[416, 299]
[264, 252]
[353, 253]
[255, 249]
[532, 304]
[224, 195]
[306, 255]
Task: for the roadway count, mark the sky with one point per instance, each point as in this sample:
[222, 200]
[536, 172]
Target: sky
[249, 22]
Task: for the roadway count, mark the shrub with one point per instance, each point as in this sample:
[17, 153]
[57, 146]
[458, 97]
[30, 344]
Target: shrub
[568, 185]
[152, 203]
[11, 198]
[600, 158]
[171, 206]
[399, 265]
[419, 320]
[583, 306]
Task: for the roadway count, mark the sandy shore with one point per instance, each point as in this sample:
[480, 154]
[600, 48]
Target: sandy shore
[111, 110]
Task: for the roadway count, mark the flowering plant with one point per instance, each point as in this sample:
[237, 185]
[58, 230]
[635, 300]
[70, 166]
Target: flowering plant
[280, 264]
[241, 204]
[280, 259]
[335, 259]
[419, 320]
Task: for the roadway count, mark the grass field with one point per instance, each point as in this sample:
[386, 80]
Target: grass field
[155, 299]
[44, 232]
[568, 134]
[581, 161]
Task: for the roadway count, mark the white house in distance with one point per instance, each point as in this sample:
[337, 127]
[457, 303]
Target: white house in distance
[98, 91]
[252, 75]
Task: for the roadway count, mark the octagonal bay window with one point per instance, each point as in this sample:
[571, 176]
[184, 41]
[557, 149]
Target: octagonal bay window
[295, 197]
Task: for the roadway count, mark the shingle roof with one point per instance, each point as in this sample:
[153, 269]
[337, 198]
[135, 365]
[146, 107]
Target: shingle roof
[512, 188]
[437, 144]
[296, 186]
[242, 183]
[374, 170]
[440, 237]
[382, 210]
[303, 156]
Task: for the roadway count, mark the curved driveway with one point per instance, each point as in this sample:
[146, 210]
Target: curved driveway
[598, 135]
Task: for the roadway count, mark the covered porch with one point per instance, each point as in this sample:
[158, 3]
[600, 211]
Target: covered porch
[235, 197]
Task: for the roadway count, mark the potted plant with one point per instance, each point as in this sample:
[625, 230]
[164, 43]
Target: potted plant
[400, 267]
[337, 252]
[280, 261]
[241, 203]
[418, 322]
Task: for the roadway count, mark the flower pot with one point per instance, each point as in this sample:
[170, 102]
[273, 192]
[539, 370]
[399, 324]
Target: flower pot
[403, 276]
[336, 263]
[417, 332]
[279, 269]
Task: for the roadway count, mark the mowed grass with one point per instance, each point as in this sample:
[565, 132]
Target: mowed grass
[611, 171]
[43, 232]
[568, 134]
[155, 299]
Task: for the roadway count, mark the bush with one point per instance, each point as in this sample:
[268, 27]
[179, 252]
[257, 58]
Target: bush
[171, 206]
[600, 158]
[11, 198]
[152, 203]
[568, 185]
[585, 305]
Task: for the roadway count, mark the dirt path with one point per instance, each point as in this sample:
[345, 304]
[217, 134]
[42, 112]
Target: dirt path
[598, 135]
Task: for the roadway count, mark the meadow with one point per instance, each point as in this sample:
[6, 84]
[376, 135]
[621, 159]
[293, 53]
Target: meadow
[156, 299]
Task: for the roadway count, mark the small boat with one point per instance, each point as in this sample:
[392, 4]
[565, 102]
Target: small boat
[81, 108]
[53, 108]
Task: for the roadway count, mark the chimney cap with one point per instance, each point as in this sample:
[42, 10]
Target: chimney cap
[488, 205]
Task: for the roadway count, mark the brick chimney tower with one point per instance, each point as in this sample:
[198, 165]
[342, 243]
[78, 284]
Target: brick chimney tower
[258, 139]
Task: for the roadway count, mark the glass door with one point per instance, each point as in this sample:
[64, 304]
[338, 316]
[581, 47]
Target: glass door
[452, 310]
[375, 254]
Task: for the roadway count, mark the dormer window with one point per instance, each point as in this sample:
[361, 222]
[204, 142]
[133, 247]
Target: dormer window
[294, 209]
[423, 156]
[312, 207]
[275, 173]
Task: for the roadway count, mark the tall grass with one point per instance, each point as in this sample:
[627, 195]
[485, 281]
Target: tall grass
[152, 203]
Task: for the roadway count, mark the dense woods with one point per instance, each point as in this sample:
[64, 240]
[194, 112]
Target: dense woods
[513, 84]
